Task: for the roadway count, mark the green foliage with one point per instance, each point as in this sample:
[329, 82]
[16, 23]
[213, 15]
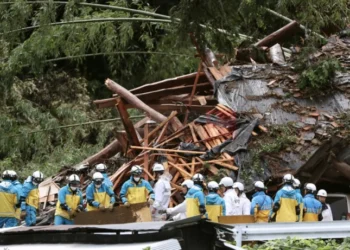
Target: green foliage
[43, 103]
[296, 244]
[320, 75]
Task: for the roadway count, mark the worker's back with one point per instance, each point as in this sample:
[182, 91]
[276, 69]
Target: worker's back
[194, 199]
[215, 206]
[289, 204]
[312, 208]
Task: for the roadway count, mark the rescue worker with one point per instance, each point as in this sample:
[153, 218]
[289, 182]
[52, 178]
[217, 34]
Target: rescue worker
[214, 204]
[9, 198]
[162, 192]
[230, 195]
[261, 203]
[242, 204]
[312, 207]
[98, 195]
[326, 209]
[195, 199]
[102, 168]
[19, 186]
[136, 189]
[297, 185]
[179, 212]
[30, 198]
[70, 202]
[287, 203]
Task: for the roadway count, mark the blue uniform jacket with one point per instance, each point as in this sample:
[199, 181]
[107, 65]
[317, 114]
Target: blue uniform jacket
[196, 193]
[130, 183]
[103, 189]
[27, 187]
[262, 200]
[311, 205]
[215, 199]
[107, 181]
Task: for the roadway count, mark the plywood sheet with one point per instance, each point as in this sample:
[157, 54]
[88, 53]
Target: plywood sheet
[135, 213]
[236, 219]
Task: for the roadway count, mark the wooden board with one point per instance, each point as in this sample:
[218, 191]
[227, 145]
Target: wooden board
[135, 213]
[236, 219]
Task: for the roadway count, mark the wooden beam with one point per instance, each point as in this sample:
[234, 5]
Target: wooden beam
[169, 150]
[145, 162]
[279, 35]
[168, 83]
[194, 88]
[128, 125]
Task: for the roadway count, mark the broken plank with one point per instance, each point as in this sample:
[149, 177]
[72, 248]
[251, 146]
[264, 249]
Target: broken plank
[145, 162]
[169, 150]
[182, 171]
[217, 75]
[193, 164]
[194, 137]
[185, 164]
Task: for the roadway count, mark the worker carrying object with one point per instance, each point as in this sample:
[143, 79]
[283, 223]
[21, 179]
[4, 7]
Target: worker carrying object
[136, 189]
[98, 195]
[179, 212]
[230, 194]
[19, 186]
[70, 202]
[326, 209]
[242, 203]
[102, 168]
[9, 198]
[261, 203]
[287, 204]
[195, 199]
[312, 207]
[162, 192]
[30, 198]
[214, 204]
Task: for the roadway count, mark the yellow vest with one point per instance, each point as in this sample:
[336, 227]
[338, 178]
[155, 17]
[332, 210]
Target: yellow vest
[301, 212]
[137, 195]
[7, 204]
[310, 217]
[33, 198]
[261, 215]
[192, 207]
[214, 211]
[72, 201]
[103, 198]
[287, 213]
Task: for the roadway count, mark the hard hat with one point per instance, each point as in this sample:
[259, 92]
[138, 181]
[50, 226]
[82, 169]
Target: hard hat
[239, 186]
[296, 183]
[226, 182]
[101, 167]
[213, 185]
[158, 167]
[97, 176]
[13, 175]
[187, 183]
[37, 177]
[198, 178]
[259, 184]
[322, 193]
[6, 175]
[136, 170]
[310, 187]
[74, 179]
[288, 178]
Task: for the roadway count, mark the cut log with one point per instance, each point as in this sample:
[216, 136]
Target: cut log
[132, 99]
[280, 35]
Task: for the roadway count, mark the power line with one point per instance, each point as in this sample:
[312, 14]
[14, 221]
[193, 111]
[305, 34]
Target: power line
[71, 125]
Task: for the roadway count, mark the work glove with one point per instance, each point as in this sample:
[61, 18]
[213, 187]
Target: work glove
[80, 208]
[202, 210]
[127, 204]
[110, 208]
[150, 201]
[72, 213]
[23, 215]
[101, 208]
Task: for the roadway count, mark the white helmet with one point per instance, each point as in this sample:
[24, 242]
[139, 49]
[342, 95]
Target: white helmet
[13, 175]
[157, 167]
[37, 177]
[259, 185]
[101, 168]
[136, 170]
[296, 183]
[198, 178]
[74, 179]
[310, 187]
[322, 193]
[239, 186]
[97, 178]
[6, 175]
[213, 185]
[226, 182]
[288, 179]
[187, 183]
